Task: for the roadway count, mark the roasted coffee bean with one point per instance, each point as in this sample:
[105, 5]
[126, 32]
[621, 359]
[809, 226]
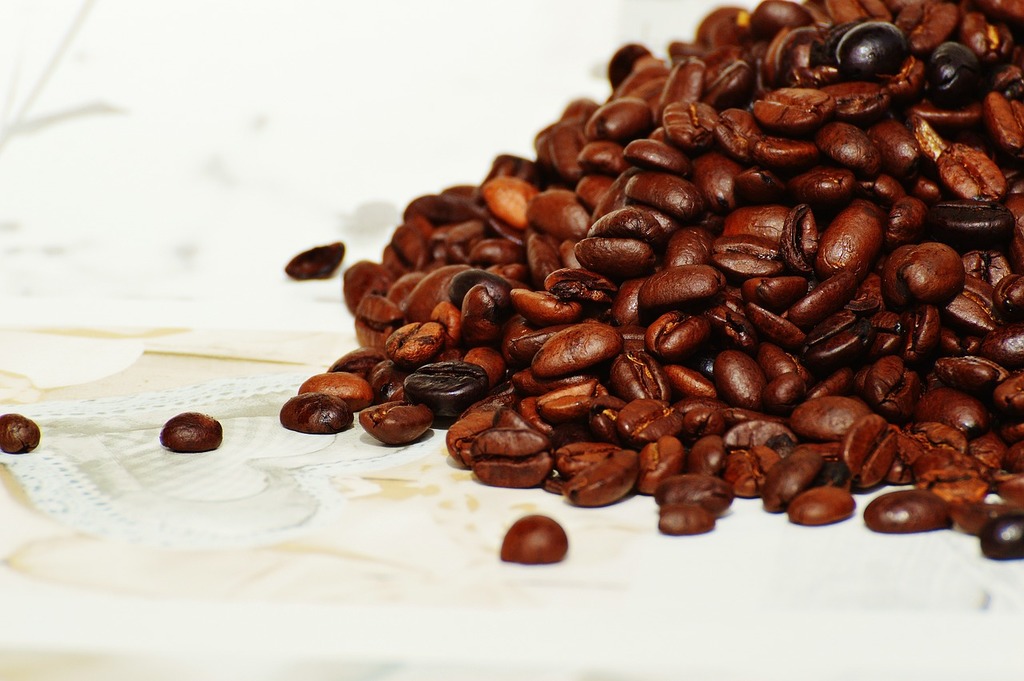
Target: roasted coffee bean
[645, 420]
[187, 432]
[446, 387]
[739, 380]
[827, 418]
[396, 423]
[871, 49]
[319, 262]
[362, 279]
[907, 511]
[972, 517]
[788, 478]
[953, 74]
[316, 414]
[707, 491]
[376, 319]
[1002, 538]
[868, 450]
[513, 457]
[821, 506]
[360, 361]
[535, 540]
[20, 434]
[355, 390]
[575, 349]
[684, 520]
[605, 482]
[852, 241]
[673, 195]
[745, 469]
[927, 273]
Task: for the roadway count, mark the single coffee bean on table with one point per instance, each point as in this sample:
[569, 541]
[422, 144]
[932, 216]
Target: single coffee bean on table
[779, 261]
[18, 434]
[192, 432]
[535, 540]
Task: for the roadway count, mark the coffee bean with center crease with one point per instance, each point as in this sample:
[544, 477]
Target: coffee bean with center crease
[447, 388]
[316, 413]
[605, 482]
[511, 457]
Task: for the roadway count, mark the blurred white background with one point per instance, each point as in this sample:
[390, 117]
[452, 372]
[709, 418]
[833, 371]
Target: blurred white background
[178, 154]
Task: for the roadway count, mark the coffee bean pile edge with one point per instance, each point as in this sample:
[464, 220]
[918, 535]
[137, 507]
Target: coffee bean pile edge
[784, 261]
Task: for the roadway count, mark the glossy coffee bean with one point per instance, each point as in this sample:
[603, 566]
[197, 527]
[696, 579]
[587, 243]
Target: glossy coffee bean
[907, 511]
[446, 387]
[191, 432]
[870, 50]
[18, 434]
[1003, 538]
[352, 388]
[679, 520]
[954, 75]
[821, 506]
[396, 423]
[707, 491]
[316, 413]
[319, 262]
[535, 540]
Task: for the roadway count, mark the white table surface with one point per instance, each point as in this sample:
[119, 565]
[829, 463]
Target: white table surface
[152, 190]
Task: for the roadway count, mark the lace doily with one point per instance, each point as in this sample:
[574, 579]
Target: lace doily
[100, 467]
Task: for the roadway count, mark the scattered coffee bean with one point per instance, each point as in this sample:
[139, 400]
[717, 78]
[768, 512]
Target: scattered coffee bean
[18, 434]
[319, 262]
[535, 540]
[191, 432]
[396, 423]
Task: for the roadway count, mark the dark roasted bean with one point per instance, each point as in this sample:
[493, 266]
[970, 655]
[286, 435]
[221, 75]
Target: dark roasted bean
[20, 434]
[534, 540]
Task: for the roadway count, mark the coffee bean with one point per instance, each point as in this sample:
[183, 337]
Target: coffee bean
[18, 434]
[354, 389]
[396, 423]
[191, 432]
[907, 511]
[684, 520]
[871, 49]
[319, 262]
[821, 506]
[446, 387]
[535, 540]
[316, 413]
[1002, 538]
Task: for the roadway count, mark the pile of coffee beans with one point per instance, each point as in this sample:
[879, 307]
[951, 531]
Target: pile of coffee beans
[784, 260]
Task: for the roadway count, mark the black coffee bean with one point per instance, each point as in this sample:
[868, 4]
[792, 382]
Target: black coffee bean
[871, 49]
[447, 387]
[953, 75]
